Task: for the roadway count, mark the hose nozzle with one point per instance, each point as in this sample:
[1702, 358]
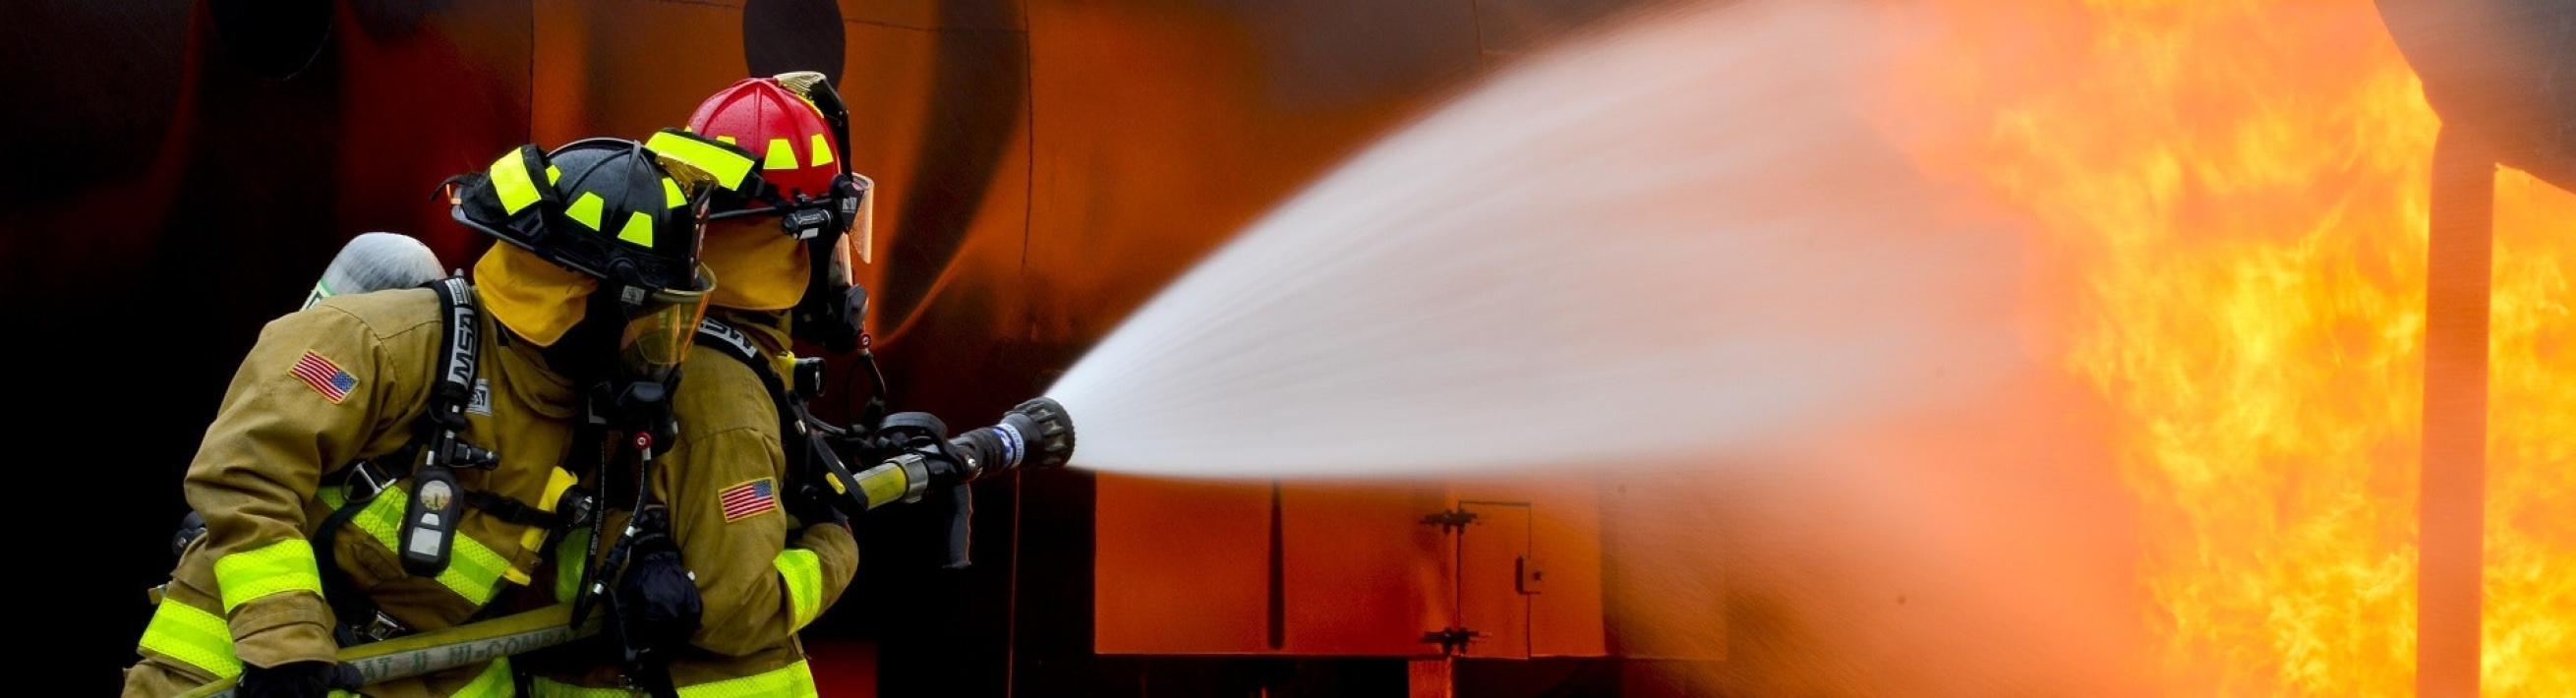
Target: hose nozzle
[1036, 434]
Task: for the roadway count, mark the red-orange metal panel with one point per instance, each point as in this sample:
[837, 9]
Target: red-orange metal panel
[1364, 575]
[1183, 567]
[1492, 553]
[1565, 557]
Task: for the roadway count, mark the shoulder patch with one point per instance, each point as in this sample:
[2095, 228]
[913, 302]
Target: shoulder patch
[324, 377]
[749, 499]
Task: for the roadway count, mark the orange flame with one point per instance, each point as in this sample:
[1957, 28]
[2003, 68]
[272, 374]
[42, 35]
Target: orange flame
[2237, 192]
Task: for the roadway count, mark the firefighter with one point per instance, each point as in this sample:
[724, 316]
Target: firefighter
[766, 560]
[387, 463]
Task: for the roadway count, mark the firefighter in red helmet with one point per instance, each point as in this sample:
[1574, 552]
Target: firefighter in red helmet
[767, 561]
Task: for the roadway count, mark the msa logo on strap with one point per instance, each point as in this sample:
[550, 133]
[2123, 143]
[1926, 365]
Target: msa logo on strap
[726, 333]
[461, 333]
[482, 402]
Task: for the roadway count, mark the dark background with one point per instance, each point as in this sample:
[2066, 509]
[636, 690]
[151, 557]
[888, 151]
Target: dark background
[180, 172]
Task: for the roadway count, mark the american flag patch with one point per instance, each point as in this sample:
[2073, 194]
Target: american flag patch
[749, 499]
[325, 377]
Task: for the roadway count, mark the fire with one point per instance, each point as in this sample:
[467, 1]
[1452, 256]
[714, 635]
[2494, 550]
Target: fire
[2530, 615]
[2234, 195]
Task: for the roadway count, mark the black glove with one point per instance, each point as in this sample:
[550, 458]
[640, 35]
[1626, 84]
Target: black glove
[296, 680]
[657, 602]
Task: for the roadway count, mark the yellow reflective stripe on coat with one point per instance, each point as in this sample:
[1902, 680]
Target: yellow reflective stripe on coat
[542, 687]
[803, 572]
[474, 571]
[276, 568]
[494, 682]
[194, 636]
[571, 555]
[791, 681]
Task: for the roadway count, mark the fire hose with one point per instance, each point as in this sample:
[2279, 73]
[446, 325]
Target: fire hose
[440, 650]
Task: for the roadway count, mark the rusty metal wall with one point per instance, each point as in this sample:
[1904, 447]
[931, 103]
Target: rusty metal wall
[182, 171]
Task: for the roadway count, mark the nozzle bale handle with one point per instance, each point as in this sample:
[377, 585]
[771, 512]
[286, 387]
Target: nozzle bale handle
[1036, 434]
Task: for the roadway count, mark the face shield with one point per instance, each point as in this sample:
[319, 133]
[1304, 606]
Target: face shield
[659, 327]
[855, 246]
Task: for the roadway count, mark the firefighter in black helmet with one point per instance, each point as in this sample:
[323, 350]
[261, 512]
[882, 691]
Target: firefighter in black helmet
[388, 463]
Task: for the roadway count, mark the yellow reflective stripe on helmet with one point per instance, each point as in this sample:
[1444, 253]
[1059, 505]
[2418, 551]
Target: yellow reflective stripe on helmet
[474, 571]
[803, 572]
[553, 174]
[494, 682]
[791, 681]
[822, 150]
[727, 165]
[276, 568]
[192, 635]
[639, 229]
[571, 554]
[782, 155]
[510, 182]
[671, 195]
[586, 210]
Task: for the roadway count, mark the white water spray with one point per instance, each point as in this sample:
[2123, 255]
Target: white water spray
[1675, 242]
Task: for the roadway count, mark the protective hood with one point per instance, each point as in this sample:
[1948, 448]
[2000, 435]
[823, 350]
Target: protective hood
[535, 298]
[761, 269]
